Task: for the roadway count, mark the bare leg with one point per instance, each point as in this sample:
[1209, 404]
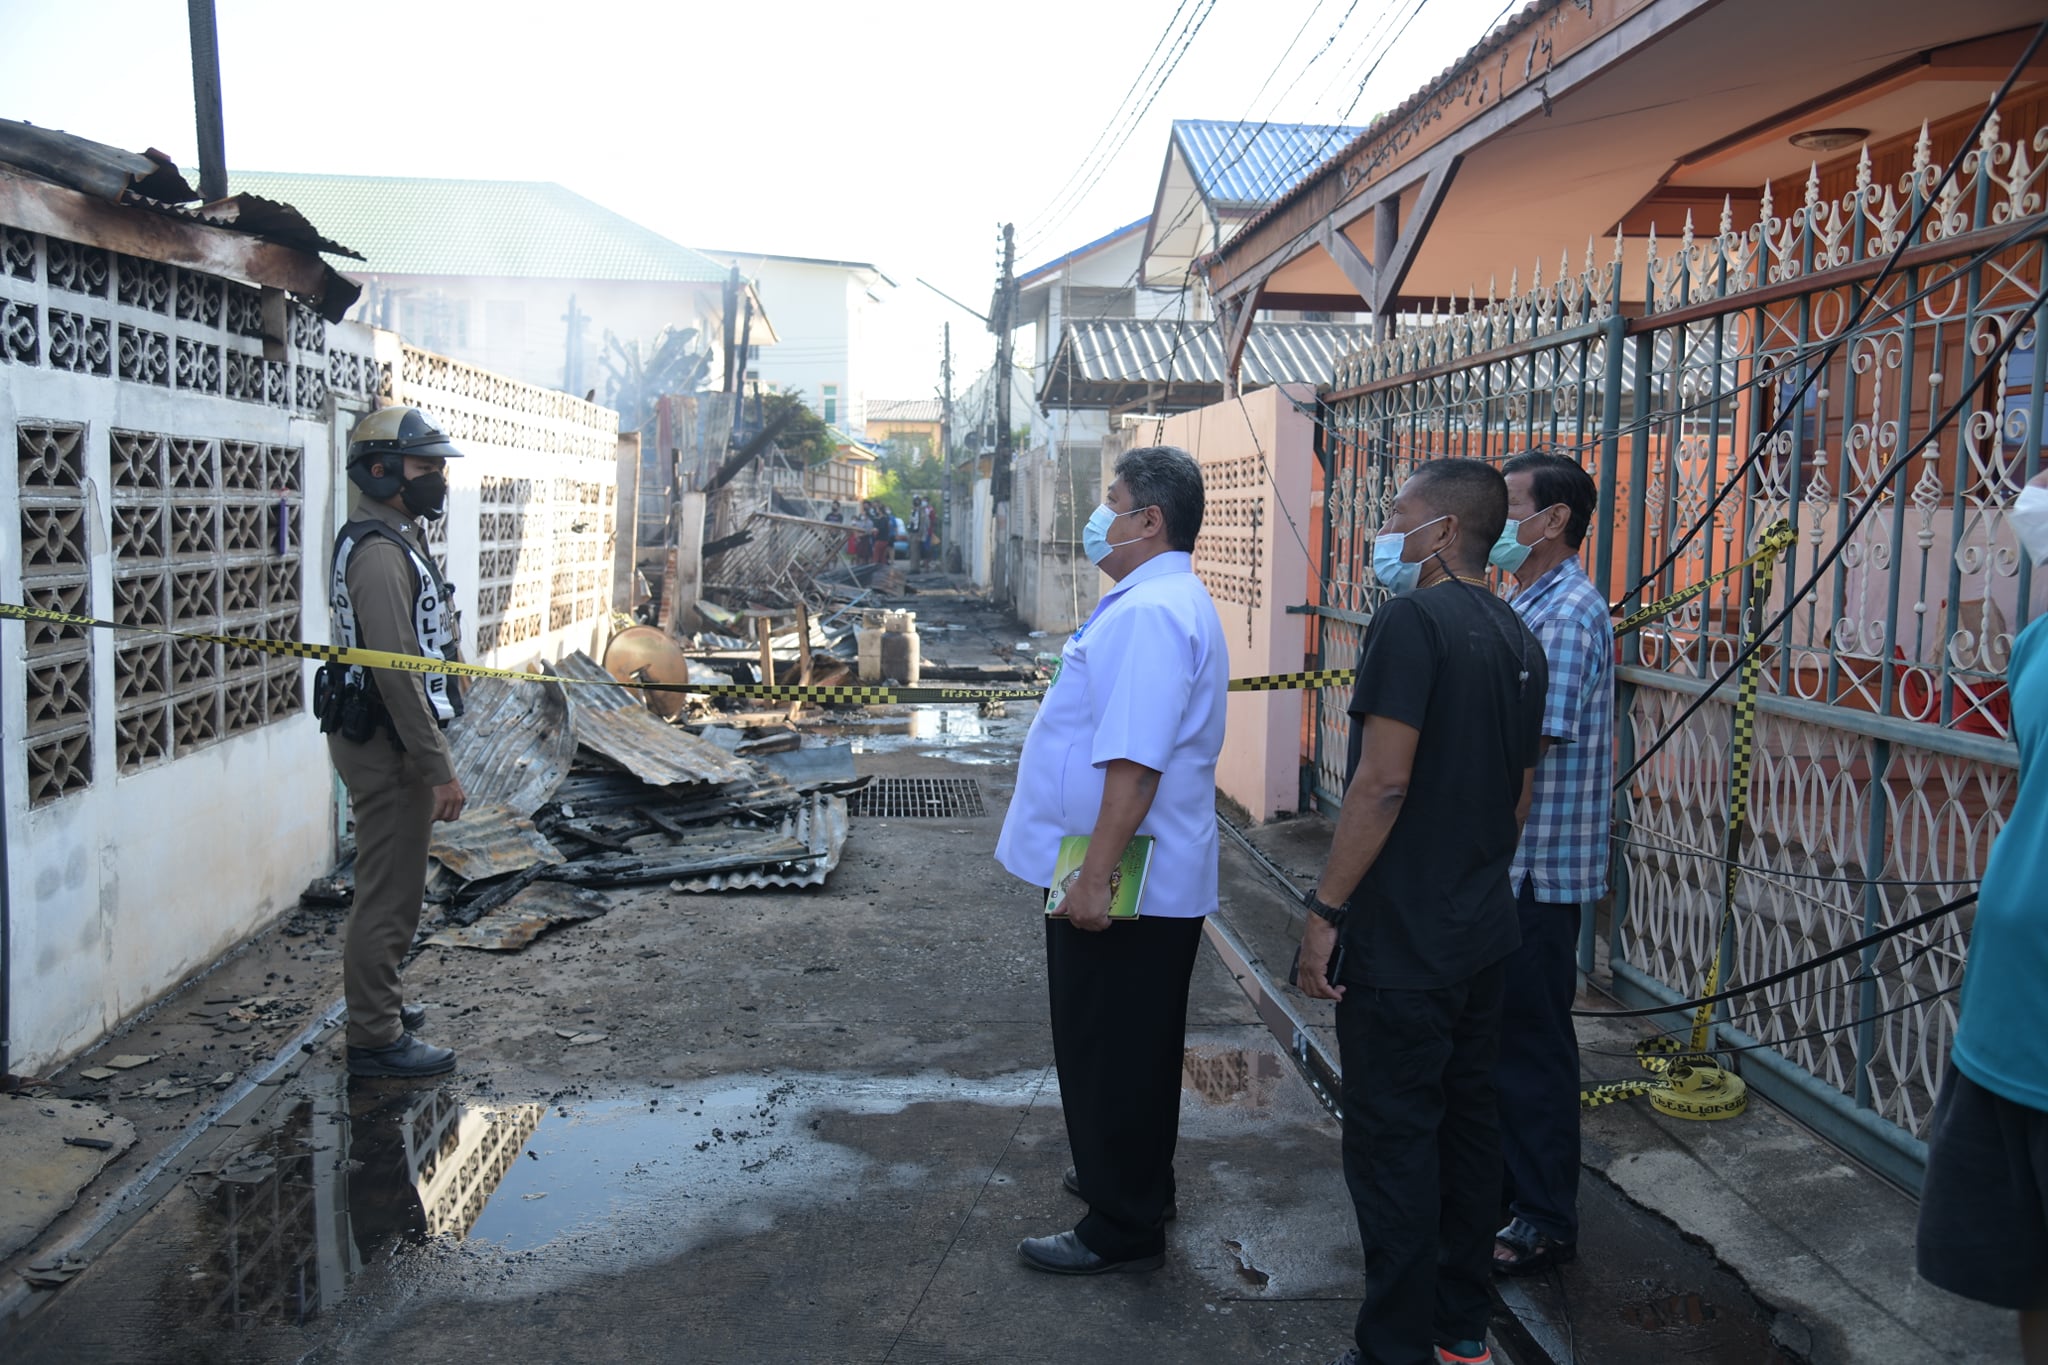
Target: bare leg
[2034, 1337]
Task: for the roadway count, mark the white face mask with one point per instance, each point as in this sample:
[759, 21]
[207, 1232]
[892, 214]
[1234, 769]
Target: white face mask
[2029, 518]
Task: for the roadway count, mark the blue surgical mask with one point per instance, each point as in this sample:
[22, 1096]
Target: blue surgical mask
[1396, 574]
[1509, 553]
[1095, 541]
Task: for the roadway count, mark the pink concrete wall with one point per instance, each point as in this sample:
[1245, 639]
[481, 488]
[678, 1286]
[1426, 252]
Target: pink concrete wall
[1257, 456]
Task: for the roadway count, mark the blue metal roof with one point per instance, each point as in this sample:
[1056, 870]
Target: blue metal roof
[1031, 276]
[1249, 165]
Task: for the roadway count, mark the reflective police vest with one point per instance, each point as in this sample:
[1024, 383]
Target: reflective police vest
[433, 616]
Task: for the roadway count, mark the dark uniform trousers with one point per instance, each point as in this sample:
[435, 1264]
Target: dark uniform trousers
[1119, 1027]
[394, 816]
[1422, 1158]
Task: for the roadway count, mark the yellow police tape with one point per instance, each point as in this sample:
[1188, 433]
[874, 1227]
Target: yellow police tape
[1689, 1084]
[860, 694]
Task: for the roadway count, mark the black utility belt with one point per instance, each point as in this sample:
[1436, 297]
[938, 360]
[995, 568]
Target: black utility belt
[351, 708]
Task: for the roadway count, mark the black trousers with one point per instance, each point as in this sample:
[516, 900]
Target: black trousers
[1537, 1077]
[1422, 1159]
[1119, 1026]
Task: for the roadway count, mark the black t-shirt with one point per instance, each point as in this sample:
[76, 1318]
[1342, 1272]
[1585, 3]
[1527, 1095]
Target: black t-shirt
[1435, 907]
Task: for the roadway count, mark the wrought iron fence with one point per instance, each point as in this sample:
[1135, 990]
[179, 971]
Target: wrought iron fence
[1884, 765]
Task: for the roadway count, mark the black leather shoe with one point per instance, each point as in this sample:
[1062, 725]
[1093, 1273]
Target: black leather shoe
[1071, 1183]
[1063, 1254]
[412, 1018]
[408, 1057]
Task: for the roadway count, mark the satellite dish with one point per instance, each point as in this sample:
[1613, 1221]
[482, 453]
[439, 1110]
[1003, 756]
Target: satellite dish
[644, 654]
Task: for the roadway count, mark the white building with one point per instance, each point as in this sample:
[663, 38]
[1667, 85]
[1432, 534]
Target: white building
[1118, 331]
[524, 278]
[822, 309]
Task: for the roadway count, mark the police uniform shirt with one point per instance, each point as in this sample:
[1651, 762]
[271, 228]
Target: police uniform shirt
[382, 591]
[1145, 679]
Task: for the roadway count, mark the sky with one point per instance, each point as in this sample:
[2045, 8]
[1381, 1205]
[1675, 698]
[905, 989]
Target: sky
[892, 131]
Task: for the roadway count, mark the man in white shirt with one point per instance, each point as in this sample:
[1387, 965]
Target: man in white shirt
[1125, 743]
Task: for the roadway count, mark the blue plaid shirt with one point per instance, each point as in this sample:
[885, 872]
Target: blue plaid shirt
[1564, 845]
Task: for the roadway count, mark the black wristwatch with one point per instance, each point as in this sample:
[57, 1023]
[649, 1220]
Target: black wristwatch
[1333, 913]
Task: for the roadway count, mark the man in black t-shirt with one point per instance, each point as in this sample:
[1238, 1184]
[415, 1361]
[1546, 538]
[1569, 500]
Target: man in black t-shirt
[1446, 720]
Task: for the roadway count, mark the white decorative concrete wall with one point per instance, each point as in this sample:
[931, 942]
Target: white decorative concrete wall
[164, 798]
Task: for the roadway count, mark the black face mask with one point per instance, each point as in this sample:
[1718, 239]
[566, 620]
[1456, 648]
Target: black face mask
[425, 496]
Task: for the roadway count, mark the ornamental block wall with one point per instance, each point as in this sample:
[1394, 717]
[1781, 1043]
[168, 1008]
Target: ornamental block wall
[166, 797]
[1257, 456]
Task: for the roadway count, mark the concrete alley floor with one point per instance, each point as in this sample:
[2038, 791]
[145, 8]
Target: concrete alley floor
[814, 1128]
[796, 1126]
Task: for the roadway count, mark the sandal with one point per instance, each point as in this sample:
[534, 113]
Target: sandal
[1519, 1249]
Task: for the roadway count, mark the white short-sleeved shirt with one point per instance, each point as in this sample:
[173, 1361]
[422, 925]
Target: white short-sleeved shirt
[1145, 679]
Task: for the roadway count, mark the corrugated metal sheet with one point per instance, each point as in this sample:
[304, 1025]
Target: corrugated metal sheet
[819, 824]
[1108, 362]
[490, 841]
[904, 409]
[94, 168]
[513, 745]
[1249, 165]
[611, 721]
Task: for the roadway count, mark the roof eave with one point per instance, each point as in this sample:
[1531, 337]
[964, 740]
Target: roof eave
[37, 205]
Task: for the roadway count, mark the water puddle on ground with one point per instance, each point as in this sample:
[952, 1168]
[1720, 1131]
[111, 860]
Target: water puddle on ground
[276, 1224]
[935, 730]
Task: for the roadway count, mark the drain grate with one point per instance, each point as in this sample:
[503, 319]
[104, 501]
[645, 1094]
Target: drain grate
[917, 798]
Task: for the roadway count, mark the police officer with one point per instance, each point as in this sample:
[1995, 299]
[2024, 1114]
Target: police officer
[384, 726]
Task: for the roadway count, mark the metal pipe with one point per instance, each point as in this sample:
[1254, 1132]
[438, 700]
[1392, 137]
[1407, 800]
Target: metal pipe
[213, 152]
[1919, 734]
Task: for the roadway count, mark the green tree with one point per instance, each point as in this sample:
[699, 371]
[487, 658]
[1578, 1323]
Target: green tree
[899, 476]
[805, 436]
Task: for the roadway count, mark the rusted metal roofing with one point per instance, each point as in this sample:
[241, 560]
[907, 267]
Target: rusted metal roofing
[490, 841]
[1112, 362]
[93, 168]
[513, 745]
[694, 852]
[612, 722]
[149, 182]
[535, 910]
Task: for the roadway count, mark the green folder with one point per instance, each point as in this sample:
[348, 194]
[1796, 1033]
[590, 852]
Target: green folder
[1126, 883]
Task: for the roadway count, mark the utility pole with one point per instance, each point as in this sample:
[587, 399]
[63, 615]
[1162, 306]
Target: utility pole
[732, 320]
[946, 515]
[1000, 324]
[213, 149]
[572, 355]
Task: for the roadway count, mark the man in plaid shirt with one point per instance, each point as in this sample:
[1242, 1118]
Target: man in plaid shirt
[1561, 865]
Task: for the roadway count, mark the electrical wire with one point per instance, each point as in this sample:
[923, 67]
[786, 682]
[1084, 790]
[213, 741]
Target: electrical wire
[1190, 31]
[1680, 851]
[1655, 417]
[1879, 489]
[1915, 1003]
[1797, 969]
[1115, 115]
